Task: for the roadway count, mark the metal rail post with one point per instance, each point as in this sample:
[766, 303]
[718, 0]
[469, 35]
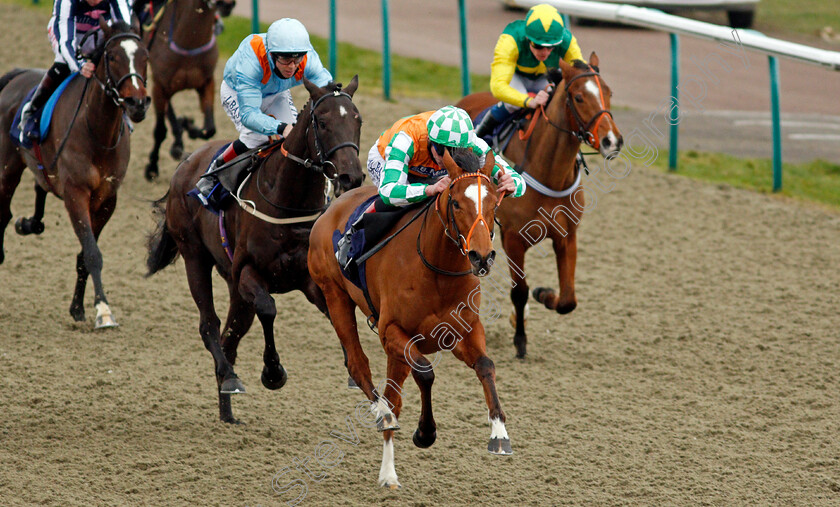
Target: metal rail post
[386, 53]
[465, 60]
[675, 84]
[333, 54]
[255, 16]
[777, 127]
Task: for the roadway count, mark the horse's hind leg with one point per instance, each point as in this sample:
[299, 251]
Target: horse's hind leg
[255, 291]
[88, 228]
[239, 320]
[177, 149]
[515, 249]
[206, 95]
[34, 224]
[161, 103]
[10, 175]
[199, 267]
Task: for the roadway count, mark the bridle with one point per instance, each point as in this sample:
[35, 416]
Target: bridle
[462, 242]
[322, 155]
[111, 86]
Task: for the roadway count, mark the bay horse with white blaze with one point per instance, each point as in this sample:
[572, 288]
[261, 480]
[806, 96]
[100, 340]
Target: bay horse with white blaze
[183, 54]
[264, 253]
[553, 203]
[417, 283]
[84, 158]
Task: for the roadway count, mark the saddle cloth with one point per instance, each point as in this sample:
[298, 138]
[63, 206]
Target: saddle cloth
[46, 115]
[374, 227]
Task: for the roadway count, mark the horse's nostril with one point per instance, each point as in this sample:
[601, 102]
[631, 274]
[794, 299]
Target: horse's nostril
[605, 141]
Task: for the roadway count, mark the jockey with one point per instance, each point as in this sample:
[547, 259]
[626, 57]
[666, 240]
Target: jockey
[524, 51]
[406, 162]
[255, 90]
[71, 20]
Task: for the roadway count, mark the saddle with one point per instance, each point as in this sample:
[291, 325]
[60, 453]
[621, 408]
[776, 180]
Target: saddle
[503, 133]
[45, 113]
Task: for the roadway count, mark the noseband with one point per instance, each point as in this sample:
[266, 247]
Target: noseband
[585, 131]
[322, 155]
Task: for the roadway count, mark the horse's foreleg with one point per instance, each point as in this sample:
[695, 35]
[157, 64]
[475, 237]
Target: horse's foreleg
[471, 350]
[206, 95]
[177, 149]
[10, 173]
[254, 290]
[161, 103]
[397, 373]
[515, 248]
[34, 224]
[403, 353]
[565, 250]
[77, 202]
[239, 319]
[199, 265]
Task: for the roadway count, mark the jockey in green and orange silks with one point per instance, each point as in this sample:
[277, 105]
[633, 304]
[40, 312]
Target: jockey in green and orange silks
[526, 49]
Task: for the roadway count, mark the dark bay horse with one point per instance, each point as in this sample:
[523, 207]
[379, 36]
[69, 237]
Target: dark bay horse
[183, 55]
[85, 155]
[552, 207]
[423, 285]
[263, 258]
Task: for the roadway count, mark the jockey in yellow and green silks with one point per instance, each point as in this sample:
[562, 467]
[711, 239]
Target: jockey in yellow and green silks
[526, 49]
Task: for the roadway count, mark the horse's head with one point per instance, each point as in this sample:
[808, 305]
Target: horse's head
[121, 68]
[468, 206]
[333, 132]
[223, 7]
[586, 103]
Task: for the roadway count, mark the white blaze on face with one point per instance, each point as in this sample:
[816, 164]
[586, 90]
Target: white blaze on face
[592, 88]
[130, 47]
[476, 192]
[342, 111]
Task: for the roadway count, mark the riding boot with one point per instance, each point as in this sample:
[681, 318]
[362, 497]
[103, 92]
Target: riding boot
[31, 111]
[487, 125]
[209, 180]
[342, 254]
[218, 26]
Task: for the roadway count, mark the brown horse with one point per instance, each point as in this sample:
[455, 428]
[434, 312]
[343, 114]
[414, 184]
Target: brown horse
[265, 254]
[418, 284]
[183, 55]
[85, 156]
[553, 204]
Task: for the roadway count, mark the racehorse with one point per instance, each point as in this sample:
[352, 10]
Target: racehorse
[417, 285]
[85, 156]
[259, 254]
[553, 204]
[183, 55]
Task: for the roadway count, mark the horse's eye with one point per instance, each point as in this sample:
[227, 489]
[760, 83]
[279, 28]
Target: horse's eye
[112, 58]
[579, 98]
[322, 124]
[456, 205]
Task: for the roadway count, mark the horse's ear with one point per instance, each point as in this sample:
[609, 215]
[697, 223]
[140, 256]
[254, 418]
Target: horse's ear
[449, 164]
[135, 24]
[593, 60]
[565, 68]
[555, 76]
[354, 84]
[489, 162]
[106, 29]
[312, 88]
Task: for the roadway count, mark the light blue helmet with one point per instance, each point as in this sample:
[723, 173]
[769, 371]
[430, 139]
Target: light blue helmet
[287, 37]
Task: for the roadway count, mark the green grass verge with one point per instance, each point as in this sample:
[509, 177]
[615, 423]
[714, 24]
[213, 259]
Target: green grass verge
[409, 76]
[801, 16]
[817, 180]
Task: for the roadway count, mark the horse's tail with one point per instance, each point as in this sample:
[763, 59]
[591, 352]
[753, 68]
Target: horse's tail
[7, 77]
[162, 247]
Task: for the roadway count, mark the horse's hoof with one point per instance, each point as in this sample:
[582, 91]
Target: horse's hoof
[500, 446]
[78, 314]
[104, 317]
[520, 351]
[232, 386]
[392, 486]
[567, 308]
[274, 379]
[26, 226]
[387, 422]
[207, 134]
[177, 151]
[424, 441]
[351, 384]
[151, 172]
[542, 295]
[231, 420]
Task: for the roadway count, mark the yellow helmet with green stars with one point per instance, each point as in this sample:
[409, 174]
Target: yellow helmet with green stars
[544, 25]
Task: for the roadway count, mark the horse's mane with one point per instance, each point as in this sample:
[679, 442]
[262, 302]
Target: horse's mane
[466, 159]
[116, 28]
[555, 75]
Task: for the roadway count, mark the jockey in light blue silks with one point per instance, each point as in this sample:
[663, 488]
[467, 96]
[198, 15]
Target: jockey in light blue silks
[255, 89]
[71, 20]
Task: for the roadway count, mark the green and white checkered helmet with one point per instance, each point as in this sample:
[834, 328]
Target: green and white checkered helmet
[451, 126]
